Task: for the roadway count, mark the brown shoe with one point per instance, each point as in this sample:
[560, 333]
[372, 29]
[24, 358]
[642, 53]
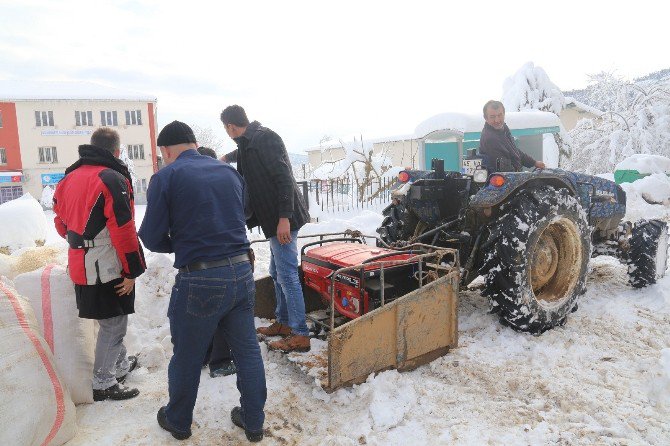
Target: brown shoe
[276, 329]
[293, 343]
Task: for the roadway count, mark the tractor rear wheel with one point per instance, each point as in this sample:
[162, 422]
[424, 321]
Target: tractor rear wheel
[648, 255]
[399, 224]
[536, 259]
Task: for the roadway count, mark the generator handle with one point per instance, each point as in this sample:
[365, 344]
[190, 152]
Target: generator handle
[390, 254]
[321, 242]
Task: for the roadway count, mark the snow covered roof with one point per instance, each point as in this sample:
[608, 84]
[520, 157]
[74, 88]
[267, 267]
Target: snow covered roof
[645, 164]
[62, 90]
[354, 143]
[461, 123]
[569, 100]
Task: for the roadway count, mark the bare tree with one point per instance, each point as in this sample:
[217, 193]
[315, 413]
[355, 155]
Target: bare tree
[207, 138]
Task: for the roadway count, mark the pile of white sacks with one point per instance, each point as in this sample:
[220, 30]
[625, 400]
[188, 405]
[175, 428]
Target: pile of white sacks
[46, 356]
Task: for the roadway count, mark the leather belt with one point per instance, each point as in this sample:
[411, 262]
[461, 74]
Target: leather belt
[228, 261]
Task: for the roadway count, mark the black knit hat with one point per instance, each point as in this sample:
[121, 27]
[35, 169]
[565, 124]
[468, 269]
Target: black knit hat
[175, 133]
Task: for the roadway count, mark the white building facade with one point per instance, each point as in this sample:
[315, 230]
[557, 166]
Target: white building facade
[42, 125]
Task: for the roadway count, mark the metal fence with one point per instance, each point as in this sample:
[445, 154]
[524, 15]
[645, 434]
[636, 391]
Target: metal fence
[345, 194]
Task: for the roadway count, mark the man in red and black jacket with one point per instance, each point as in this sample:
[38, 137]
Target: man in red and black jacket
[95, 213]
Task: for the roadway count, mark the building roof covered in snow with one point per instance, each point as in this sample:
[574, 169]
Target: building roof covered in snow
[571, 102]
[14, 90]
[469, 126]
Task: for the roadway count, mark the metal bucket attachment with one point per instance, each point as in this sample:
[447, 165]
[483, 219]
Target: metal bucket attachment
[404, 334]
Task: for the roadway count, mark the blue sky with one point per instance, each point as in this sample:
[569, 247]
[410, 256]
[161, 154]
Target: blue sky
[309, 69]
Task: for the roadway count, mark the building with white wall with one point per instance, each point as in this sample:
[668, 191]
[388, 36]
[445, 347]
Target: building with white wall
[42, 125]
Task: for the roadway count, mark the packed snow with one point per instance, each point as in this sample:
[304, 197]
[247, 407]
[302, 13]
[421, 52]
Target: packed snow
[603, 378]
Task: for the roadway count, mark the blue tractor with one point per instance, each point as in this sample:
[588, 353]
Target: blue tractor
[529, 234]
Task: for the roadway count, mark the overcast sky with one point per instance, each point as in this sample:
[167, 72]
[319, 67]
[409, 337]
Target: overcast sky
[310, 68]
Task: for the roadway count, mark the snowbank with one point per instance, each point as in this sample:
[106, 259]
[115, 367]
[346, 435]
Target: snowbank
[645, 164]
[22, 224]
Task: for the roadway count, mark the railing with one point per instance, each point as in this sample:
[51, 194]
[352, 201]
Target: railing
[345, 194]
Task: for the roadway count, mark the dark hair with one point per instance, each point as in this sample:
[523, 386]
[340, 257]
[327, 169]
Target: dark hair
[493, 104]
[207, 152]
[107, 139]
[234, 114]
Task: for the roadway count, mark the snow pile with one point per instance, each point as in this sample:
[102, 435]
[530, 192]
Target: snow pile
[645, 164]
[648, 197]
[22, 224]
[47, 199]
[530, 89]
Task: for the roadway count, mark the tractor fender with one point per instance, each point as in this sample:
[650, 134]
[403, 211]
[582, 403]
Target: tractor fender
[490, 196]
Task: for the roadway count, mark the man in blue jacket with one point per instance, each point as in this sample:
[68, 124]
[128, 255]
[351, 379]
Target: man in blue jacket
[195, 208]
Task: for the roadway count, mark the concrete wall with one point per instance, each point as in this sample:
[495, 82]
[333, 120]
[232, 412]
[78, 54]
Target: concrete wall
[403, 153]
[66, 136]
[570, 116]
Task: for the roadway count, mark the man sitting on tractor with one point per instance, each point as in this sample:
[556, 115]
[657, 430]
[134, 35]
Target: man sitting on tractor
[496, 145]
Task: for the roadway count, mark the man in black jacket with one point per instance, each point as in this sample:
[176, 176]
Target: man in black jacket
[278, 208]
[496, 144]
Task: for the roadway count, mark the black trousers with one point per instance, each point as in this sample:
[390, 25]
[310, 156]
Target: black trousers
[218, 351]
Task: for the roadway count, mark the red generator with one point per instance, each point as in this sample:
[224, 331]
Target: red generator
[358, 291]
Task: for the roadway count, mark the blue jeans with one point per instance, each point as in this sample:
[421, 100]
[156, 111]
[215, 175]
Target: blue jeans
[288, 291]
[201, 301]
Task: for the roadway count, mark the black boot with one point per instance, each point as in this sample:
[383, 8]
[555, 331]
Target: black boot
[132, 361]
[116, 392]
[236, 417]
[163, 422]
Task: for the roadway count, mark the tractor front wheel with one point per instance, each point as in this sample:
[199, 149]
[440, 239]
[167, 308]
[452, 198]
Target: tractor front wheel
[536, 259]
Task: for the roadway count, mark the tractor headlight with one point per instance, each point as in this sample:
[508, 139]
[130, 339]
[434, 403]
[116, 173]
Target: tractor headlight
[480, 176]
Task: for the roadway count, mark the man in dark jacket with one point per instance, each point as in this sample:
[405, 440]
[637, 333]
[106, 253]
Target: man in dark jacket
[496, 144]
[278, 208]
[95, 212]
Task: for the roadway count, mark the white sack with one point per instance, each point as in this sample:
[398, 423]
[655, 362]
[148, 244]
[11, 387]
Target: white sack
[73, 338]
[35, 405]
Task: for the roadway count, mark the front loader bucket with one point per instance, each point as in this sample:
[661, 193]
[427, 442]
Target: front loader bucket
[410, 331]
[404, 334]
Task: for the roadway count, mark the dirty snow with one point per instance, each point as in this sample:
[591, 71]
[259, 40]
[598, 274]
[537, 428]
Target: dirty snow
[603, 378]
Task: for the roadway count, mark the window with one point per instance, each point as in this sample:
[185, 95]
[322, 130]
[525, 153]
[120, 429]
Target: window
[48, 155]
[44, 118]
[3, 156]
[141, 186]
[133, 117]
[10, 193]
[83, 117]
[136, 151]
[0, 120]
[108, 118]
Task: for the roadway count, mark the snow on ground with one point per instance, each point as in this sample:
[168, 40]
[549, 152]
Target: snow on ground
[603, 378]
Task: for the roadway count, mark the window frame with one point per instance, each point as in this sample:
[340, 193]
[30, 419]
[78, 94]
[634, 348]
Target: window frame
[44, 118]
[109, 118]
[47, 155]
[133, 117]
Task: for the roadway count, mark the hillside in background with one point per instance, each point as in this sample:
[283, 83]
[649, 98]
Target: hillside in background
[585, 94]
